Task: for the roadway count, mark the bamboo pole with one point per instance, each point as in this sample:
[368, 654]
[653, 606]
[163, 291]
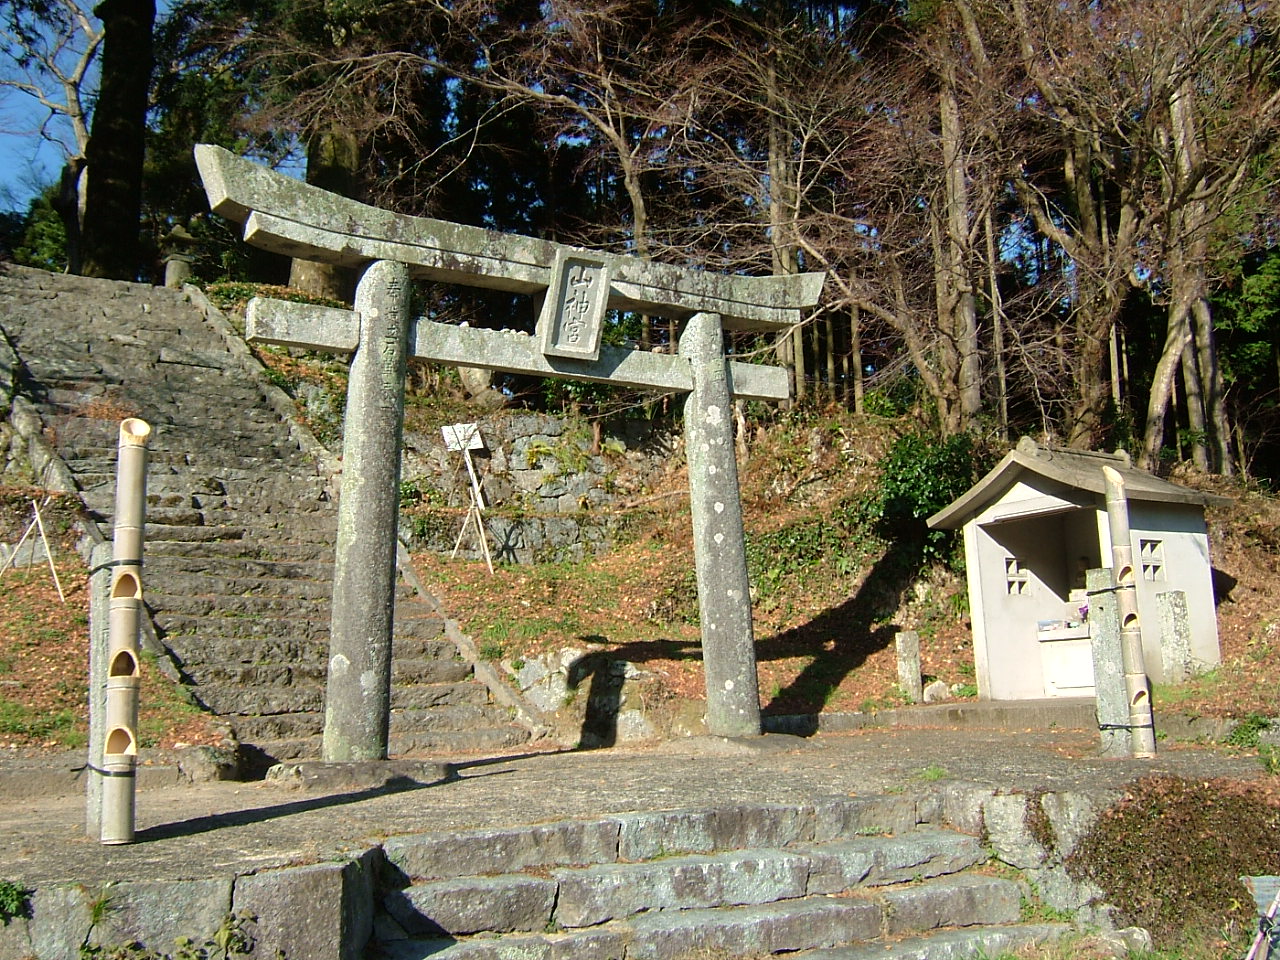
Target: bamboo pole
[120, 749]
[1142, 734]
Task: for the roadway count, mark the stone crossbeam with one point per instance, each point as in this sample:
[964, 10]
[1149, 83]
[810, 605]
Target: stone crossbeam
[337, 330]
[292, 218]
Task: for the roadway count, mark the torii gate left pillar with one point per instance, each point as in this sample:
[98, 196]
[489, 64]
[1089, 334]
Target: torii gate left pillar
[357, 701]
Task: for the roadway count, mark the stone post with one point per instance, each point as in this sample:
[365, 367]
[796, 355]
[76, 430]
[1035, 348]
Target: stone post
[910, 678]
[719, 546]
[99, 614]
[1175, 635]
[1108, 670]
[358, 690]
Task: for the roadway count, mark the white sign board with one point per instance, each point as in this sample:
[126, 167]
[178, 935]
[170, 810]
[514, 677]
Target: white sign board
[462, 436]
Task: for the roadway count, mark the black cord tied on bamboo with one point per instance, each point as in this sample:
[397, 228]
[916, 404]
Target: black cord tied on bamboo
[108, 564]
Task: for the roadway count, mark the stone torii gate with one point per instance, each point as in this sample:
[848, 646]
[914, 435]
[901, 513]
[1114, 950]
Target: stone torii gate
[578, 286]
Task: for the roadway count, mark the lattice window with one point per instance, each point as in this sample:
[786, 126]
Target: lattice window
[1151, 556]
[1016, 577]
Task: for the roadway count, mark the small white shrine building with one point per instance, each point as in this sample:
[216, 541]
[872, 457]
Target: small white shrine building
[1032, 527]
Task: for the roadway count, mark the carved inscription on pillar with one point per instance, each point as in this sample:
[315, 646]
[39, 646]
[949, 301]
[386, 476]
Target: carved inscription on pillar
[573, 313]
[391, 344]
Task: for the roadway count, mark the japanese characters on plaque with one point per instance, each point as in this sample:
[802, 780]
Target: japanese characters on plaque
[573, 313]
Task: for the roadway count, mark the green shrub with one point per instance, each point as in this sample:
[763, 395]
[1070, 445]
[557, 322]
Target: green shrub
[920, 475]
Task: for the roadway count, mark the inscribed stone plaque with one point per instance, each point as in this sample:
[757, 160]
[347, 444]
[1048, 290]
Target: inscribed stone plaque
[573, 314]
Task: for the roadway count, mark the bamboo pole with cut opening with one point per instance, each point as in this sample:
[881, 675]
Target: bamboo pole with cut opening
[1142, 734]
[120, 747]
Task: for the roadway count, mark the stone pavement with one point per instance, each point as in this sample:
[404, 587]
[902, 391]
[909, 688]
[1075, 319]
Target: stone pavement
[197, 830]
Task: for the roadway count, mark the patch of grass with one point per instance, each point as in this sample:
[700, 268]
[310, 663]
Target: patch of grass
[933, 773]
[14, 901]
[1247, 732]
[19, 720]
[1197, 688]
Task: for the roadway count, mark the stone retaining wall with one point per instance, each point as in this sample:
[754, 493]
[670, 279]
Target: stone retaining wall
[547, 496]
[328, 909]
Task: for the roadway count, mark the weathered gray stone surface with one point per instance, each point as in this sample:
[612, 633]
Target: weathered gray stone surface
[754, 930]
[949, 944]
[1175, 635]
[962, 806]
[1108, 668]
[647, 835]
[835, 817]
[435, 856]
[324, 910]
[719, 544]
[472, 904]
[608, 944]
[1005, 818]
[907, 645]
[596, 894]
[883, 860]
[357, 704]
[952, 902]
[157, 912]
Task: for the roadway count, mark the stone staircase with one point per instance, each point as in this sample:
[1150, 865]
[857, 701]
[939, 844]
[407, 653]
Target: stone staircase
[845, 878]
[240, 521]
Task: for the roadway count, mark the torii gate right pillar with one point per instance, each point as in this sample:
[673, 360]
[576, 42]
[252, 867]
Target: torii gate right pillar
[719, 547]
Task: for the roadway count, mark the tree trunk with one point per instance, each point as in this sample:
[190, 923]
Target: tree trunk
[1197, 428]
[113, 206]
[997, 328]
[963, 320]
[333, 164]
[1176, 339]
[855, 358]
[790, 349]
[1217, 422]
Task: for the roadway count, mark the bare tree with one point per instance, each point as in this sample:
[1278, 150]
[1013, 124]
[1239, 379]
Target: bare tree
[48, 50]
[1219, 108]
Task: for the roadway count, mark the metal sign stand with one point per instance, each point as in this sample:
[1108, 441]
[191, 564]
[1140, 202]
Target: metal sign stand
[36, 524]
[466, 437]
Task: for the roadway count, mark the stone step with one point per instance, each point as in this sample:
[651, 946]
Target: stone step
[241, 567]
[871, 823]
[217, 628]
[209, 503]
[250, 529]
[978, 942]
[206, 651]
[428, 707]
[428, 695]
[100, 463]
[448, 717]
[728, 916]
[445, 678]
[214, 585]
[749, 938]
[261, 701]
[207, 585]
[241, 549]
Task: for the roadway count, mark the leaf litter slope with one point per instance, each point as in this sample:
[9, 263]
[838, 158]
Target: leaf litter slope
[826, 613]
